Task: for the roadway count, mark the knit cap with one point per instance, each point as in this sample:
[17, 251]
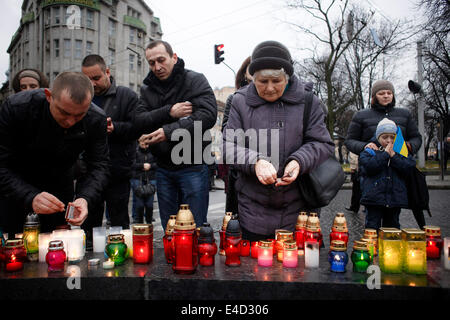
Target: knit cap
[385, 126]
[382, 85]
[271, 55]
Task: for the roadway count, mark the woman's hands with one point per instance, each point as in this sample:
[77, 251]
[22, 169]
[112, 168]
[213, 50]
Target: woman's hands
[266, 173]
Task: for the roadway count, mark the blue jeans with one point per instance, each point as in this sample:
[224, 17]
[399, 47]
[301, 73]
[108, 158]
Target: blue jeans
[185, 186]
[379, 216]
[139, 203]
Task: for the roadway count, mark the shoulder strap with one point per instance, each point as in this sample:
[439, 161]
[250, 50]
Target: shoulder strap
[307, 110]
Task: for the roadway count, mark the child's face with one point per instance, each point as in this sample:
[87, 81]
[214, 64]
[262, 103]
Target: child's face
[386, 138]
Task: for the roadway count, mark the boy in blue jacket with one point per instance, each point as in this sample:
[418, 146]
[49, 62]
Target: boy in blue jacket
[383, 174]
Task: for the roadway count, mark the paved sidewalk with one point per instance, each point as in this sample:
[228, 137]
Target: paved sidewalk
[433, 182]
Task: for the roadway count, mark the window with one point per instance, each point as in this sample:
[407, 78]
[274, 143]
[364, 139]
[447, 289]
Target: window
[78, 49]
[56, 47]
[67, 48]
[56, 16]
[89, 19]
[112, 57]
[132, 34]
[131, 62]
[112, 28]
[88, 48]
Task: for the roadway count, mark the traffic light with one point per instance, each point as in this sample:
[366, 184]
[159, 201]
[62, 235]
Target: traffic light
[218, 51]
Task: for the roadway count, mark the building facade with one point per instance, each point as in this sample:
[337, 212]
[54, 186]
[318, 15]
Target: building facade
[55, 35]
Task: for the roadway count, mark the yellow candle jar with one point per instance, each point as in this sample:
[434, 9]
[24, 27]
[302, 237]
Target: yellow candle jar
[414, 250]
[390, 250]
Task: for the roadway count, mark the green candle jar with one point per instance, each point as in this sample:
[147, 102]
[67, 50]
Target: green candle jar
[116, 249]
[360, 257]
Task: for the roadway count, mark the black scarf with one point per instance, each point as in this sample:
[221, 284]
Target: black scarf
[177, 72]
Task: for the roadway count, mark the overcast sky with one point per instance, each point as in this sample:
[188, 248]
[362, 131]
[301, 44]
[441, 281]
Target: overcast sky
[193, 27]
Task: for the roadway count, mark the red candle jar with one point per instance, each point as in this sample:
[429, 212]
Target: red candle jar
[313, 232]
[282, 236]
[434, 242]
[339, 230]
[142, 243]
[222, 232]
[254, 249]
[207, 247]
[184, 241]
[56, 256]
[232, 243]
[167, 239]
[245, 248]
[300, 230]
[15, 255]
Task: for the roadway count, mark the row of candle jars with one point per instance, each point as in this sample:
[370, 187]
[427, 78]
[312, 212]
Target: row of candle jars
[402, 251]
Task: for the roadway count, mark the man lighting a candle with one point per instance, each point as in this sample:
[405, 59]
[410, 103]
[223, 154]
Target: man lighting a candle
[42, 133]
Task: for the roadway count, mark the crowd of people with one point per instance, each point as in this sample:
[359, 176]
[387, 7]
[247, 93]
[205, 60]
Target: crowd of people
[87, 142]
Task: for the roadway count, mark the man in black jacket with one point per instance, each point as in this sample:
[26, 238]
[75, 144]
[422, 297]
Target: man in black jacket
[119, 104]
[42, 133]
[180, 99]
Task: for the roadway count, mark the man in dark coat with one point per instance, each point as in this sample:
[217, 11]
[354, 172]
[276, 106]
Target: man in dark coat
[119, 104]
[180, 99]
[42, 133]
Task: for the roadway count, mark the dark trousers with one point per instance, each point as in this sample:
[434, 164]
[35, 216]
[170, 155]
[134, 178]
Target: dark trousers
[356, 192]
[116, 196]
[231, 201]
[379, 216]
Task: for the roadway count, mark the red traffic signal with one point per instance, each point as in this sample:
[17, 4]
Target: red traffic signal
[218, 51]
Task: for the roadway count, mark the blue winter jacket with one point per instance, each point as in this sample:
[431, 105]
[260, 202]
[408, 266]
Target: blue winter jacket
[383, 178]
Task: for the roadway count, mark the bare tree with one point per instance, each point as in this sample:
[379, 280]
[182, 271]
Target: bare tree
[346, 65]
[348, 53]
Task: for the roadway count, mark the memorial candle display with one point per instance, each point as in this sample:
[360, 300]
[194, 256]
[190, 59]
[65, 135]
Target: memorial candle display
[116, 249]
[337, 256]
[311, 254]
[233, 237]
[300, 230]
[56, 256]
[447, 253]
[360, 257]
[184, 242]
[222, 232]
[414, 251]
[265, 253]
[280, 237]
[290, 254]
[30, 236]
[390, 250]
[14, 254]
[168, 237]
[207, 247]
[339, 230]
[142, 243]
[434, 242]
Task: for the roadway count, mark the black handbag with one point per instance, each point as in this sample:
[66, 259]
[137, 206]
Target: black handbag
[321, 185]
[145, 189]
